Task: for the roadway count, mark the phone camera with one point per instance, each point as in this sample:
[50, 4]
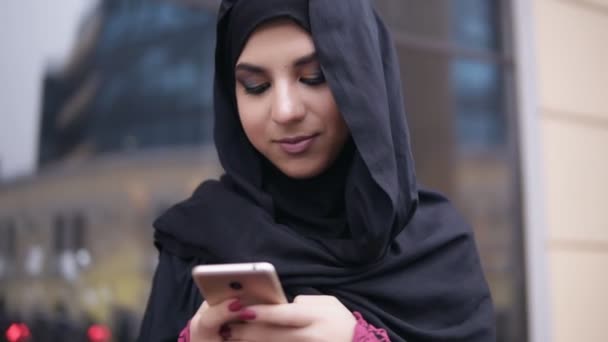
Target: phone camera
[235, 285]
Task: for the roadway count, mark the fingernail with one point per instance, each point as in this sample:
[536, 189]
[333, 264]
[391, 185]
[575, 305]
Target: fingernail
[235, 306]
[247, 315]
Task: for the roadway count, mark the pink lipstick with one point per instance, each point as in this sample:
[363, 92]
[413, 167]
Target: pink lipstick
[297, 145]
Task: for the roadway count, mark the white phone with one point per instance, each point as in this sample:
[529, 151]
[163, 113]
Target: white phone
[253, 283]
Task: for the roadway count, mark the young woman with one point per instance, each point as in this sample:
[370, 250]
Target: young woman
[311, 131]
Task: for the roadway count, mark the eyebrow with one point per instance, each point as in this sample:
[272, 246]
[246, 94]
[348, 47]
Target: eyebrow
[310, 58]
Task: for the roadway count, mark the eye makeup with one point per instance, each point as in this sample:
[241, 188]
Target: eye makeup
[313, 79]
[252, 83]
[255, 81]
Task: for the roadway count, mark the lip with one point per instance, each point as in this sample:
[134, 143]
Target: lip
[297, 145]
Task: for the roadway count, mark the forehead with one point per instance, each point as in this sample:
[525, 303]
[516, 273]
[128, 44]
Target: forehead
[276, 40]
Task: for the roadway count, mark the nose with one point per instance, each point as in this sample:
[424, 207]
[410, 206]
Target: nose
[287, 106]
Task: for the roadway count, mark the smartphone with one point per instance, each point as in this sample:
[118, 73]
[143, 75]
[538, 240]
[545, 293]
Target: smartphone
[253, 283]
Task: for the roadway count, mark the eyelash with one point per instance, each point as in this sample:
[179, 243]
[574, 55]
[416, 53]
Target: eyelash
[256, 90]
[310, 81]
[314, 81]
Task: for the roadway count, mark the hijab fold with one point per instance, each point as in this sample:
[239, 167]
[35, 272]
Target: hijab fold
[362, 231]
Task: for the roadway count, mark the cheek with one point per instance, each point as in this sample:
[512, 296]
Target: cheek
[251, 114]
[329, 113]
[254, 130]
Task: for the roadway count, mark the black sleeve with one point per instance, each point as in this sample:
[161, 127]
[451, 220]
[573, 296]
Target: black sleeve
[173, 301]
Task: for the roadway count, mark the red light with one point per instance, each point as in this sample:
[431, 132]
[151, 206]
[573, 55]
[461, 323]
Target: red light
[13, 333]
[17, 332]
[99, 333]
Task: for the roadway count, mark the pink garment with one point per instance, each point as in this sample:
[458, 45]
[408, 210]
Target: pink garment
[364, 332]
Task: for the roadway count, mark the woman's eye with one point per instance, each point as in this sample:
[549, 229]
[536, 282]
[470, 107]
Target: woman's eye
[256, 89]
[313, 80]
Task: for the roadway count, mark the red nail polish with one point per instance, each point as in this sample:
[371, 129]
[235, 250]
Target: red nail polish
[247, 315]
[235, 306]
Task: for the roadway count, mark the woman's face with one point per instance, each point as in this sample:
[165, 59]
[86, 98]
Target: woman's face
[286, 107]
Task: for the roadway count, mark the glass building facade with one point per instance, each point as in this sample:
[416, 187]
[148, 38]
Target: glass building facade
[141, 81]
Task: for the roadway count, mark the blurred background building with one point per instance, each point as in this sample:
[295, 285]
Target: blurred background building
[506, 112]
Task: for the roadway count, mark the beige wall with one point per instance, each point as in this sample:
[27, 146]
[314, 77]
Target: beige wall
[572, 69]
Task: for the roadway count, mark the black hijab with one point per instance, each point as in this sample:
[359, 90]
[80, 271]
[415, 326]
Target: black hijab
[362, 231]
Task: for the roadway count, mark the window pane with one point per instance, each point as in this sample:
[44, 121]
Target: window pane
[479, 106]
[11, 240]
[79, 231]
[59, 234]
[473, 24]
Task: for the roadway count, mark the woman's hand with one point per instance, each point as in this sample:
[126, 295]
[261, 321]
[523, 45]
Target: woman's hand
[209, 324]
[308, 318]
